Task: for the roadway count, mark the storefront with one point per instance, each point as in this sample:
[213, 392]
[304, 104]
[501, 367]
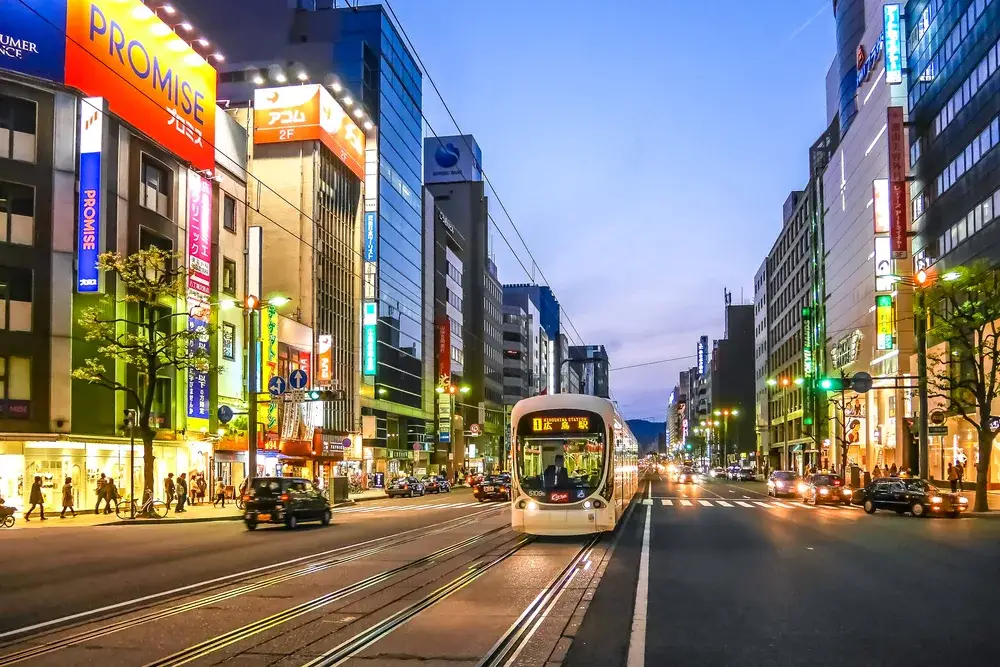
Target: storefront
[960, 445]
[230, 463]
[83, 463]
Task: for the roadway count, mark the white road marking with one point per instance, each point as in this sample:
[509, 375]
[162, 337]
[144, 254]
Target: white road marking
[705, 503]
[685, 502]
[761, 503]
[724, 503]
[743, 504]
[637, 642]
[649, 491]
[647, 501]
[787, 507]
[667, 502]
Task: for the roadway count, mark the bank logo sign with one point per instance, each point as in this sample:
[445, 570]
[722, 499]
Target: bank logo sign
[893, 45]
[452, 159]
[32, 38]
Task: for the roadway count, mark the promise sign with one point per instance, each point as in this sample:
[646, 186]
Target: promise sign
[898, 199]
[90, 237]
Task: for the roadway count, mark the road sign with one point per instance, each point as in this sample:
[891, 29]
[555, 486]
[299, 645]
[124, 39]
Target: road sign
[276, 386]
[937, 417]
[298, 379]
[475, 429]
[416, 446]
[225, 414]
[861, 382]
[937, 430]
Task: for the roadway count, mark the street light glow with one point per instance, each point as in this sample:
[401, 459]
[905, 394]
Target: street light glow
[279, 301]
[466, 390]
[799, 381]
[951, 275]
[771, 382]
[227, 304]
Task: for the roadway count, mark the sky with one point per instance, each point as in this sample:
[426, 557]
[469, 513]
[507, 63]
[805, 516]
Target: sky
[643, 149]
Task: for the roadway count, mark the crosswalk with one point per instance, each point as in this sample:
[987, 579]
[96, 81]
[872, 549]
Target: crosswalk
[402, 507]
[744, 504]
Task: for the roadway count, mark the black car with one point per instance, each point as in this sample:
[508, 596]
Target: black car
[820, 489]
[405, 486]
[443, 484]
[783, 483]
[284, 500]
[431, 485]
[746, 475]
[496, 487]
[916, 496]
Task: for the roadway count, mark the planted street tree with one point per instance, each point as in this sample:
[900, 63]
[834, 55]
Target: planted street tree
[964, 307]
[146, 330]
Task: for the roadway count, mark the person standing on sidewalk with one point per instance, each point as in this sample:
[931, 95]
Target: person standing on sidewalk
[110, 494]
[67, 498]
[99, 492]
[953, 477]
[182, 492]
[960, 470]
[36, 499]
[220, 494]
[169, 489]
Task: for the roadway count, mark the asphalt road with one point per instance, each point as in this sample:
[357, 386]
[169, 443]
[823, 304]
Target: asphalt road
[736, 579]
[53, 573]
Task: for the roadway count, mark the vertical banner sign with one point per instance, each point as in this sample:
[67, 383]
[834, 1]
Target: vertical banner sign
[305, 363]
[898, 198]
[883, 322]
[369, 327]
[807, 365]
[893, 44]
[324, 360]
[444, 348]
[702, 355]
[199, 287]
[269, 358]
[880, 204]
[90, 217]
[444, 417]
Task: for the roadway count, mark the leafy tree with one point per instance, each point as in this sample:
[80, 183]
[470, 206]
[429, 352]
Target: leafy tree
[964, 307]
[145, 330]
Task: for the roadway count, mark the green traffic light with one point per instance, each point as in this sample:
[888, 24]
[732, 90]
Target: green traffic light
[826, 383]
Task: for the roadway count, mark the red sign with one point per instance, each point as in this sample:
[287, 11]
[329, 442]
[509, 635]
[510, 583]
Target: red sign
[898, 199]
[559, 496]
[305, 363]
[324, 359]
[444, 347]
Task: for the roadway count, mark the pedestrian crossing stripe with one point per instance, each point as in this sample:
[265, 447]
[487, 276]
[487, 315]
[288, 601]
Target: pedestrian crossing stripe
[403, 508]
[749, 504]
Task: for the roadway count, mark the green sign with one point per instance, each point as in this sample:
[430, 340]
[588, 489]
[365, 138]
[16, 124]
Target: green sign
[369, 337]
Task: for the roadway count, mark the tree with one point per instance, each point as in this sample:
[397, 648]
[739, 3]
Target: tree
[964, 307]
[144, 329]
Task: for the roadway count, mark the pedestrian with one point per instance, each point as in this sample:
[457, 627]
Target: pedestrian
[202, 488]
[67, 499]
[110, 495]
[892, 470]
[169, 489]
[36, 499]
[99, 492]
[960, 471]
[182, 492]
[220, 494]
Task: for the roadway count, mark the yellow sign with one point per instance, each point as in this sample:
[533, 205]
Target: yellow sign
[269, 358]
[562, 423]
[884, 322]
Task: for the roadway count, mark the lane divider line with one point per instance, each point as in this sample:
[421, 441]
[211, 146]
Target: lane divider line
[637, 640]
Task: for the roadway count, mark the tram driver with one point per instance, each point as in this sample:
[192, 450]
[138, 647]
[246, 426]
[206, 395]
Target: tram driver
[556, 476]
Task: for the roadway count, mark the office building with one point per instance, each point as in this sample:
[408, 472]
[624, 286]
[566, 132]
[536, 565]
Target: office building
[591, 365]
[517, 376]
[760, 357]
[554, 374]
[732, 390]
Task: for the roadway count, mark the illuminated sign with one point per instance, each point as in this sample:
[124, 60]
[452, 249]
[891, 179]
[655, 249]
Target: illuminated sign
[32, 38]
[444, 348]
[898, 198]
[883, 322]
[369, 327]
[702, 355]
[370, 236]
[560, 423]
[883, 265]
[120, 50]
[90, 214]
[452, 159]
[847, 349]
[269, 358]
[324, 359]
[867, 64]
[893, 44]
[880, 202]
[199, 286]
[308, 113]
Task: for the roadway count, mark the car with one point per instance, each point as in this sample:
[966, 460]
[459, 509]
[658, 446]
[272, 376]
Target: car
[746, 475]
[820, 489]
[783, 483]
[718, 472]
[431, 485]
[496, 487]
[284, 500]
[686, 476]
[405, 486]
[907, 494]
[443, 484]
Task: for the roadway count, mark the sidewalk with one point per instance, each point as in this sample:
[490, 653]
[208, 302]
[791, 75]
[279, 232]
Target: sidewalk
[993, 497]
[192, 514]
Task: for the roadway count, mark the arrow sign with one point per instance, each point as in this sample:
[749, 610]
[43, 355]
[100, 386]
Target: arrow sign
[298, 379]
[225, 414]
[276, 386]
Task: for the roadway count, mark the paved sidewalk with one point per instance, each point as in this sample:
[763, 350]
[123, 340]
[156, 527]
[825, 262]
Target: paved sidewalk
[192, 514]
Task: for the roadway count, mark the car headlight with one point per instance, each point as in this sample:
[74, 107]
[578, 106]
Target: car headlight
[802, 488]
[963, 500]
[847, 492]
[824, 492]
[780, 485]
[937, 500]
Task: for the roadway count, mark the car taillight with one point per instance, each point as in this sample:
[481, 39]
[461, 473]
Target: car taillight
[247, 497]
[284, 497]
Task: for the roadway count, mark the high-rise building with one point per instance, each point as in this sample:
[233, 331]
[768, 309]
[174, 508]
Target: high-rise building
[554, 376]
[591, 364]
[517, 377]
[760, 356]
[733, 384]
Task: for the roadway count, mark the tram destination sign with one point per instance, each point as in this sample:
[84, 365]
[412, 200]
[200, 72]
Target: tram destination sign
[561, 423]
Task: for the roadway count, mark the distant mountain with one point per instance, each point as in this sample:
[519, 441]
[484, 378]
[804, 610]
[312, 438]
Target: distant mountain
[646, 432]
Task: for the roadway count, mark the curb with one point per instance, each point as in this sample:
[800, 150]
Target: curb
[167, 522]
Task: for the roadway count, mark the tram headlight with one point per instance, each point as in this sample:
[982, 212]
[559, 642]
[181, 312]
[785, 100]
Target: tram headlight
[587, 505]
[532, 506]
[521, 504]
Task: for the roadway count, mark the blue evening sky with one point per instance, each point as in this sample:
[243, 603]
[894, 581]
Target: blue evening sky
[643, 148]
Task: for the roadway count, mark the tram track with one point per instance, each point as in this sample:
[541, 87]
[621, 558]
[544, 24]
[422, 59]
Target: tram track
[244, 586]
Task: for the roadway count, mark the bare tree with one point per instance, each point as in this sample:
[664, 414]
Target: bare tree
[147, 331]
[964, 306]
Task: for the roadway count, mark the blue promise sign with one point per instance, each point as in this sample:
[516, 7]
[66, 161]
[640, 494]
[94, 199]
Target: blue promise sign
[33, 38]
[893, 45]
[89, 240]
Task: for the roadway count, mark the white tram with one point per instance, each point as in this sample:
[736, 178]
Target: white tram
[575, 465]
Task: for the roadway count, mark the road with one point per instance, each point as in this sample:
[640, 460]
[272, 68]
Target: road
[735, 578]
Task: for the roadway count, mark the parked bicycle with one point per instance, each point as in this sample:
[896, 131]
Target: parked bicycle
[128, 508]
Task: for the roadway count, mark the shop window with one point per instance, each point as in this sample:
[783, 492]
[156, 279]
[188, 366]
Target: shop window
[15, 387]
[17, 213]
[228, 276]
[228, 341]
[15, 299]
[154, 186]
[149, 240]
[229, 213]
[18, 123]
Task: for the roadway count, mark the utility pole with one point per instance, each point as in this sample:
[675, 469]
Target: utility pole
[130, 417]
[920, 330]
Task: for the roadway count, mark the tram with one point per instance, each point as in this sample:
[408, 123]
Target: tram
[575, 465]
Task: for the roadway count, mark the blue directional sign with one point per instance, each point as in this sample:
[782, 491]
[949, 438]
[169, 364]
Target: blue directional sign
[298, 379]
[225, 414]
[277, 385]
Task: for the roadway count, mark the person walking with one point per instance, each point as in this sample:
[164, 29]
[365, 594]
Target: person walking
[169, 489]
[182, 492]
[99, 492]
[892, 470]
[953, 478]
[110, 494]
[36, 499]
[67, 498]
[220, 494]
[960, 471]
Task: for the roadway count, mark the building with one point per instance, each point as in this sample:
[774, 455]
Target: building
[553, 376]
[517, 377]
[760, 357]
[952, 49]
[358, 49]
[732, 390]
[591, 365]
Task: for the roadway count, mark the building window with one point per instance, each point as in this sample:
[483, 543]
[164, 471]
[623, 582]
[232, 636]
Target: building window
[18, 122]
[228, 276]
[17, 213]
[228, 341]
[154, 187]
[15, 387]
[229, 213]
[15, 299]
[159, 416]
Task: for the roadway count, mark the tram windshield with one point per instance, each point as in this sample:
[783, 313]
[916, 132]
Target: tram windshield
[560, 454]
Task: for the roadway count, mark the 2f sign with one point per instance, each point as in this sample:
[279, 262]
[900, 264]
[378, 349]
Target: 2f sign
[287, 134]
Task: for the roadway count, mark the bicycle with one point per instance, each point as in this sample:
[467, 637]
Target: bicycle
[128, 508]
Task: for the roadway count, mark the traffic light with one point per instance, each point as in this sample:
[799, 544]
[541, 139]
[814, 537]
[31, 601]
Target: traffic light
[834, 384]
[323, 395]
[689, 446]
